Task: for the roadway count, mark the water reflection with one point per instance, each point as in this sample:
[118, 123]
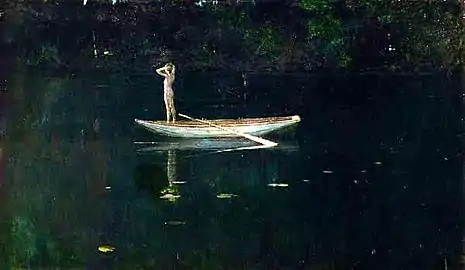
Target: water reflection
[349, 194]
[210, 146]
[190, 151]
[221, 193]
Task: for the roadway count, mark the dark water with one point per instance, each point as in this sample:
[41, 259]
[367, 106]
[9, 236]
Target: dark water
[373, 174]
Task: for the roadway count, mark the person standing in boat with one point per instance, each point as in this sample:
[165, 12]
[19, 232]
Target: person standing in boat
[168, 71]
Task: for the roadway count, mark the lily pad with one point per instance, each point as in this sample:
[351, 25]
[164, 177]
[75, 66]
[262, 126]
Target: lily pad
[106, 248]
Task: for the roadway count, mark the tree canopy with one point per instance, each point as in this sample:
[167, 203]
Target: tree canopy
[304, 35]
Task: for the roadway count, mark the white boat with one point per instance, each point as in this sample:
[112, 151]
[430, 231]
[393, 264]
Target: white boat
[195, 129]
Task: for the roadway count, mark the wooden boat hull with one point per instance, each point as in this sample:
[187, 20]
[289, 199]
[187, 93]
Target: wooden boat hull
[193, 129]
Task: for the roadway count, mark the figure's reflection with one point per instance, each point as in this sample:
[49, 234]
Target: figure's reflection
[160, 183]
[171, 192]
[171, 166]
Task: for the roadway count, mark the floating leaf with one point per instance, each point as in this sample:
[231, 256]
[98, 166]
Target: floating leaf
[178, 182]
[170, 197]
[225, 196]
[278, 185]
[106, 248]
[175, 222]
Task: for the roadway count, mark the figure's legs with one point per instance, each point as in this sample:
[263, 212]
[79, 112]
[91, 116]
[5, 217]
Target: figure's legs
[173, 111]
[167, 109]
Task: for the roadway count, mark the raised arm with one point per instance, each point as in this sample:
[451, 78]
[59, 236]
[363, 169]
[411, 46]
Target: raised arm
[162, 71]
[173, 72]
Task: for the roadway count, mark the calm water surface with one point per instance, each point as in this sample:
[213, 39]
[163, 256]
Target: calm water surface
[371, 178]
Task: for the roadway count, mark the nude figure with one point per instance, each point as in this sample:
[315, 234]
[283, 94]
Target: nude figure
[168, 71]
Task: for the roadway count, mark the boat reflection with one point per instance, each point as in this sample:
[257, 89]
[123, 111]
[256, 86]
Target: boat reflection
[221, 145]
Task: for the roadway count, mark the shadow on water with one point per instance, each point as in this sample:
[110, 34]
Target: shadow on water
[150, 177]
[369, 182]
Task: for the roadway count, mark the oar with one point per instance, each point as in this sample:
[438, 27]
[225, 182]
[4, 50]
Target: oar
[265, 143]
